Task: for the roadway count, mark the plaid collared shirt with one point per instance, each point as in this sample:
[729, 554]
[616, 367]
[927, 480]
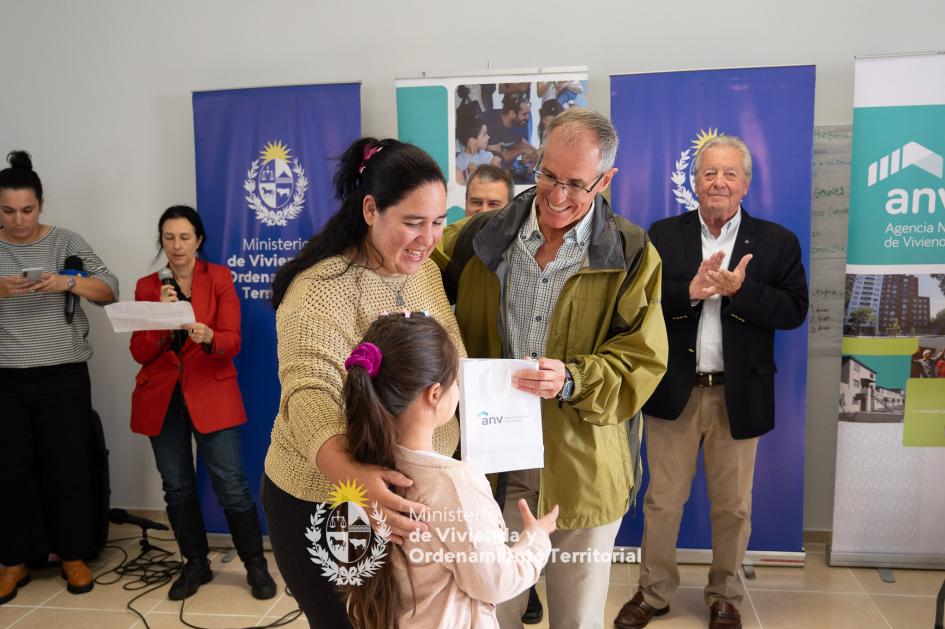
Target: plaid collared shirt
[530, 292]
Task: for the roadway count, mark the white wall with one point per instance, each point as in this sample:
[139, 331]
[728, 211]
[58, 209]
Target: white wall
[99, 92]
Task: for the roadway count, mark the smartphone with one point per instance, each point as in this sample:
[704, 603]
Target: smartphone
[33, 274]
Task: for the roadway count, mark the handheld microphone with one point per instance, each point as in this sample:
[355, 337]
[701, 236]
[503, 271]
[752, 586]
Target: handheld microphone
[120, 516]
[167, 278]
[73, 265]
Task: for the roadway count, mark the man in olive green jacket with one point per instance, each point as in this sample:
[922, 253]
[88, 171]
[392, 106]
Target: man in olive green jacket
[558, 277]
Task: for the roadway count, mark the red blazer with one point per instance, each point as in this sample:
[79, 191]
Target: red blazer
[208, 381]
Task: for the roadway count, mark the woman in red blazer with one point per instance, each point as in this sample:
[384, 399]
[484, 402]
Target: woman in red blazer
[187, 388]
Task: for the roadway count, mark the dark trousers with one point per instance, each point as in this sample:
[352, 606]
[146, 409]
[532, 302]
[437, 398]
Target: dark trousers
[221, 451]
[288, 517]
[45, 463]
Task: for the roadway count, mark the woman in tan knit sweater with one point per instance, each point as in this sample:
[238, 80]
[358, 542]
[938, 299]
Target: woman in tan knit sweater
[402, 385]
[371, 256]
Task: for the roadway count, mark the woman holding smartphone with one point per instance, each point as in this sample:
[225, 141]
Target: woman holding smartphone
[45, 395]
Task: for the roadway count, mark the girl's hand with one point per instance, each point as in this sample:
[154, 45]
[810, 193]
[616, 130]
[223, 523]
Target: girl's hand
[547, 522]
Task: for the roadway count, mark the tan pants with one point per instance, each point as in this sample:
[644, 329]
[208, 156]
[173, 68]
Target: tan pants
[672, 448]
[576, 590]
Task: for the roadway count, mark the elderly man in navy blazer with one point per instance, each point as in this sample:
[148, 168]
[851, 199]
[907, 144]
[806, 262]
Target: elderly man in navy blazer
[729, 281]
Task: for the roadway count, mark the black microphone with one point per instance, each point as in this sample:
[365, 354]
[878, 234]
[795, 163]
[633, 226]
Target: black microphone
[72, 266]
[167, 278]
[120, 516]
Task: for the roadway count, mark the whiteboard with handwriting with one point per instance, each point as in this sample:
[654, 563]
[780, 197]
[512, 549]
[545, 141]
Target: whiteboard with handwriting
[828, 237]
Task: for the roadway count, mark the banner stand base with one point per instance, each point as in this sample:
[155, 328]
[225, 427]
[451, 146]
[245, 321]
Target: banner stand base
[884, 560]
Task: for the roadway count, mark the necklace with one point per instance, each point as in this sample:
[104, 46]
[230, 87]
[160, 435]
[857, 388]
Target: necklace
[398, 291]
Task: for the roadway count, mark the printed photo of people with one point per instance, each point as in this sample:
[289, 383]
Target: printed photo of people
[929, 359]
[502, 124]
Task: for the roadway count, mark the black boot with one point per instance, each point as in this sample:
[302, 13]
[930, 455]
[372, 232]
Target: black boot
[247, 537]
[187, 522]
[534, 612]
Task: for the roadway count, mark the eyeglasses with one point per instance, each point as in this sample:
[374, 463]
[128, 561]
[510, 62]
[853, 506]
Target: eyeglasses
[547, 182]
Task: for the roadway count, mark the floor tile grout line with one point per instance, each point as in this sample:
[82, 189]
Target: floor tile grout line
[35, 607]
[741, 577]
[83, 609]
[145, 614]
[188, 613]
[872, 602]
[271, 607]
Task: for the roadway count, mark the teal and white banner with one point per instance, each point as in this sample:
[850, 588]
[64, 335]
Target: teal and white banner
[889, 507]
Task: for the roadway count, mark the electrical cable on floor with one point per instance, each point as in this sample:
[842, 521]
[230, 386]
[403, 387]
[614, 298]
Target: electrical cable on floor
[153, 568]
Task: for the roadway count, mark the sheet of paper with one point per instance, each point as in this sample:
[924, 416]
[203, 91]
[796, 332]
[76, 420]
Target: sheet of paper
[500, 425]
[135, 316]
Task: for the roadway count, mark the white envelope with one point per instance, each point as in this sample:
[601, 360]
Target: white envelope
[500, 425]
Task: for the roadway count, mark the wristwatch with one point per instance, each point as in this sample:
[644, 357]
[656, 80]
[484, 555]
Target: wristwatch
[567, 388]
[70, 283]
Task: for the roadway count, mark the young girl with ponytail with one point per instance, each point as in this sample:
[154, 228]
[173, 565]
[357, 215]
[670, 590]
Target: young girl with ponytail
[401, 385]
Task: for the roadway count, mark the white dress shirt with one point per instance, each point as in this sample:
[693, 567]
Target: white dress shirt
[709, 334]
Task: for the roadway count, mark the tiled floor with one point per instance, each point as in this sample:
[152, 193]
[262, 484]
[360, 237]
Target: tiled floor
[814, 597]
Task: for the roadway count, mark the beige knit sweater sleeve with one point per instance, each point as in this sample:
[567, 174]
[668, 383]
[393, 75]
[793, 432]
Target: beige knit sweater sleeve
[323, 316]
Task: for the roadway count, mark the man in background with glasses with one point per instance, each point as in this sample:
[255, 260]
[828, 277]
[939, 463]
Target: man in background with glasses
[576, 288]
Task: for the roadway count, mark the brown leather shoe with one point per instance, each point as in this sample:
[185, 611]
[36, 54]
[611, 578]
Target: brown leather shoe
[637, 613]
[78, 576]
[724, 616]
[12, 578]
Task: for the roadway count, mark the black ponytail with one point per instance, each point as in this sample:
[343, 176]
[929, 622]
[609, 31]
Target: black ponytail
[416, 353]
[388, 175]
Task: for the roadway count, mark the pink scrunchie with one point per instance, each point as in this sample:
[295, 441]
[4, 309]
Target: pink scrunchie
[367, 355]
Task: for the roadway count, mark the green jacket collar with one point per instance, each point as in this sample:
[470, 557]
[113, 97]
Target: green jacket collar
[604, 252]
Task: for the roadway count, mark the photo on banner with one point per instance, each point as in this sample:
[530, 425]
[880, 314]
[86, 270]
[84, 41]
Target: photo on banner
[265, 160]
[663, 119]
[498, 120]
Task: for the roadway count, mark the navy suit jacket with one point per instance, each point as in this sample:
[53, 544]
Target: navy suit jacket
[772, 297]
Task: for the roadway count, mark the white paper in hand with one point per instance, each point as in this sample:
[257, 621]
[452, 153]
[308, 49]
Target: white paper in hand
[135, 316]
[500, 425]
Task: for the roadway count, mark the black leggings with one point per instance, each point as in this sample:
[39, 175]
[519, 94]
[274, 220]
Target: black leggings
[288, 517]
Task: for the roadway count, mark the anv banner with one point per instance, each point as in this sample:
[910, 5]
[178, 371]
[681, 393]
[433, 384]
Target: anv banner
[662, 120]
[889, 506]
[264, 169]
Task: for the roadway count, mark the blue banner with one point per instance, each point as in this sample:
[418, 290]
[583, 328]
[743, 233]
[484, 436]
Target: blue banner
[662, 119]
[264, 169]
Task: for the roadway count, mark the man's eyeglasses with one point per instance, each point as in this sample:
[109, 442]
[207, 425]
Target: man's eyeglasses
[573, 190]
